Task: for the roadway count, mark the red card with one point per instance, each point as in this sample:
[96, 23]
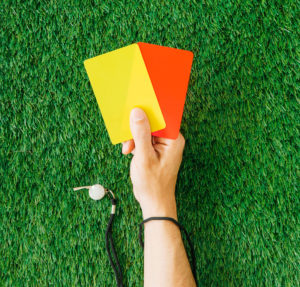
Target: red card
[169, 71]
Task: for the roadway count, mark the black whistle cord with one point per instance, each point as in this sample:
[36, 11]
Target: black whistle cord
[186, 235]
[110, 247]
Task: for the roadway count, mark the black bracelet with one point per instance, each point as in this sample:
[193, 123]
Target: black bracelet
[110, 245]
[193, 259]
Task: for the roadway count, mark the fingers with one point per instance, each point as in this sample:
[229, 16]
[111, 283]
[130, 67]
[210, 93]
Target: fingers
[170, 149]
[162, 141]
[141, 132]
[127, 147]
[180, 142]
[170, 143]
[143, 142]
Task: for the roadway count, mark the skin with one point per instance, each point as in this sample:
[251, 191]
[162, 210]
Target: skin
[153, 171]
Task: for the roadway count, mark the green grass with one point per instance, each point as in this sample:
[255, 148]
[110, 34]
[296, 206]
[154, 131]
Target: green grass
[237, 188]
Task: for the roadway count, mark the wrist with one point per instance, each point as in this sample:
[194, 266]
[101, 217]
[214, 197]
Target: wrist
[167, 209]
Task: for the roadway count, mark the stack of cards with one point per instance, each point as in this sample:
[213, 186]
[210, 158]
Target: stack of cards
[151, 77]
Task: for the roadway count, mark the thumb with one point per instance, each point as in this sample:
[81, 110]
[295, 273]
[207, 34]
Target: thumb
[141, 132]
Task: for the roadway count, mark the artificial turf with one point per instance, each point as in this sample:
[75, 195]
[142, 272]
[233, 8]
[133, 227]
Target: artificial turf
[237, 188]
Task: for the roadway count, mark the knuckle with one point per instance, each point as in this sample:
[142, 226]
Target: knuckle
[181, 141]
[140, 122]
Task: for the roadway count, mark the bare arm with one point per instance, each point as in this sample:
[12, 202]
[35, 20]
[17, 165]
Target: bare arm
[166, 263]
[153, 172]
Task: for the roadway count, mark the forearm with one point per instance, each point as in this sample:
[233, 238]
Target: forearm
[165, 260]
[153, 171]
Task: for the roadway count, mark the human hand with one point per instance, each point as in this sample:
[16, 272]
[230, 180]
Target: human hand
[154, 167]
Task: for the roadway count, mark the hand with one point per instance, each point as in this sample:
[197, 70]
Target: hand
[154, 167]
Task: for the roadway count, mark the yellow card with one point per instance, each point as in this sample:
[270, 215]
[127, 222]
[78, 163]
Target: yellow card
[120, 82]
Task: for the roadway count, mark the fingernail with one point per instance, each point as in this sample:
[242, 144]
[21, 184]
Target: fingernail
[123, 147]
[137, 115]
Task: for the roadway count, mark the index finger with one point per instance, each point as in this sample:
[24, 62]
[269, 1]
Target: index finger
[170, 142]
